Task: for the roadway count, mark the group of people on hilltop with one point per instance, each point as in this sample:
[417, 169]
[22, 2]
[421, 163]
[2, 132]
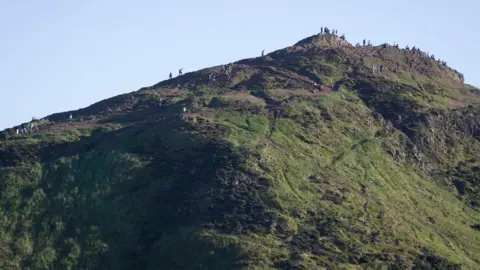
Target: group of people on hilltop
[180, 72]
[224, 69]
[326, 30]
[365, 43]
[416, 52]
[24, 129]
[30, 127]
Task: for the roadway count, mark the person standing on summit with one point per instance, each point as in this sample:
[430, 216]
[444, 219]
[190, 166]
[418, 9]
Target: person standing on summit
[180, 72]
[263, 53]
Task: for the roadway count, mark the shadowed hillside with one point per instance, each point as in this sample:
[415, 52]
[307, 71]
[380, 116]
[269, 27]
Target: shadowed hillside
[322, 155]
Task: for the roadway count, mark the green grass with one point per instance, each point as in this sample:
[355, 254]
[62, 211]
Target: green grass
[413, 209]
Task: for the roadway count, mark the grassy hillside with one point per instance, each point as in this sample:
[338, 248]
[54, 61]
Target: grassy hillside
[364, 171]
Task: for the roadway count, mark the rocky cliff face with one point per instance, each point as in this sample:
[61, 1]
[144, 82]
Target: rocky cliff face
[307, 158]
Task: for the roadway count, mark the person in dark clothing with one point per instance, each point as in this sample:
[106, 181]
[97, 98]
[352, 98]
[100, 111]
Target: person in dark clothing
[170, 76]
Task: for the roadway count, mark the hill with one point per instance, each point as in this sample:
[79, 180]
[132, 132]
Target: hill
[310, 157]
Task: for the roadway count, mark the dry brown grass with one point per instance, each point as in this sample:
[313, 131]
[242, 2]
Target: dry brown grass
[243, 96]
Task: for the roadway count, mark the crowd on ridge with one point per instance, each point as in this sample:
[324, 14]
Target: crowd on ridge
[415, 52]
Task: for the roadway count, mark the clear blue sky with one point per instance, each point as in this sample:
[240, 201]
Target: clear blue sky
[59, 55]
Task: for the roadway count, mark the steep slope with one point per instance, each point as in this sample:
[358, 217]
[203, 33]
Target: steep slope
[267, 171]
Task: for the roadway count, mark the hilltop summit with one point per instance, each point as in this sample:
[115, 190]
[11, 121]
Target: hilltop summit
[321, 155]
[324, 40]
